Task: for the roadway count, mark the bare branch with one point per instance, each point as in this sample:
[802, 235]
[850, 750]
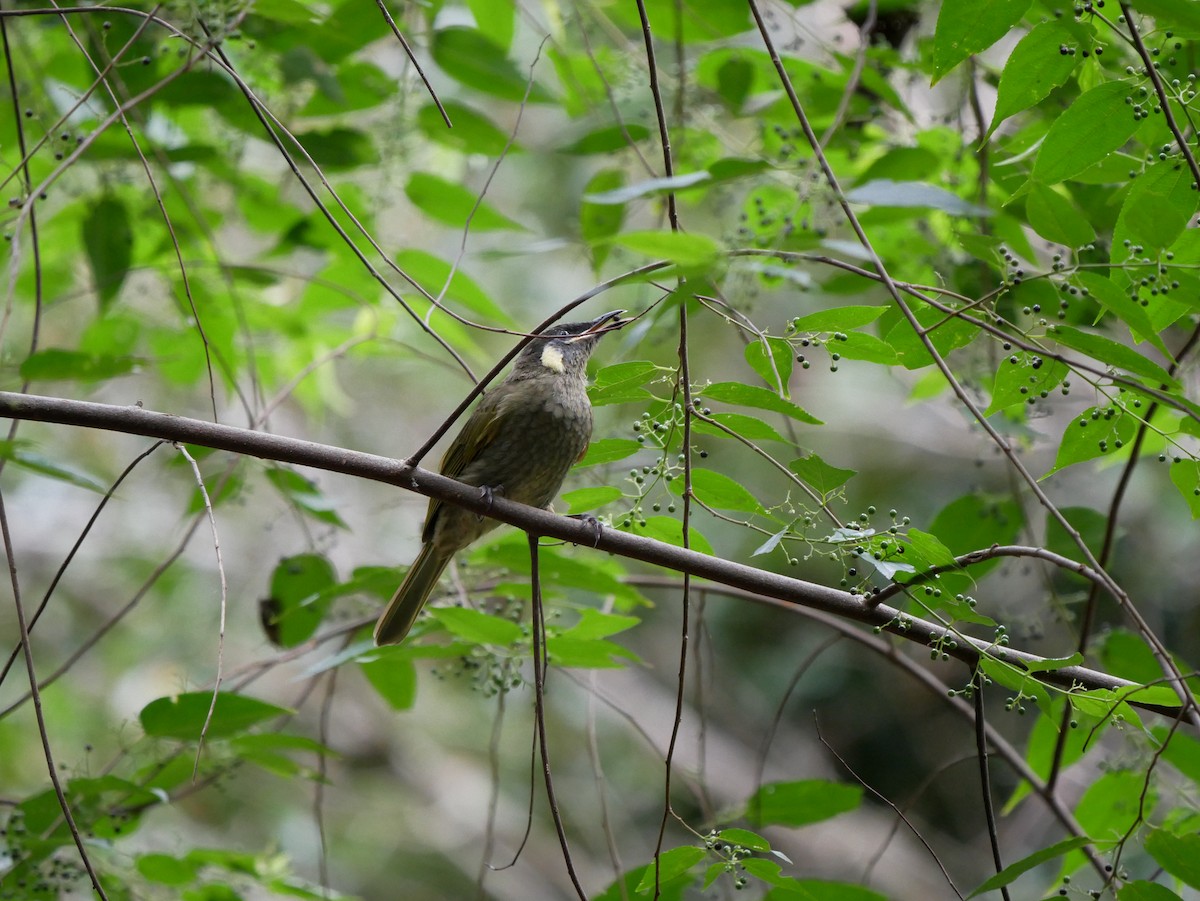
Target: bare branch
[138, 421]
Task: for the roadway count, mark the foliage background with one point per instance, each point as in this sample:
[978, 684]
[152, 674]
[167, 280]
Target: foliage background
[1013, 155]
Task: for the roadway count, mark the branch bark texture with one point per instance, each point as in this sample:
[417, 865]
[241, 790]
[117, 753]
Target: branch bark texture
[138, 421]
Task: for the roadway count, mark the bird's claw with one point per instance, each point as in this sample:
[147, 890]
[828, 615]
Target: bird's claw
[597, 526]
[488, 494]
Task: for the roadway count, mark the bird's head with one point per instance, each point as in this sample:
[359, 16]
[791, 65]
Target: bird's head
[566, 346]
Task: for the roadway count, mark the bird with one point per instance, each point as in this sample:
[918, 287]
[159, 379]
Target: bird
[519, 442]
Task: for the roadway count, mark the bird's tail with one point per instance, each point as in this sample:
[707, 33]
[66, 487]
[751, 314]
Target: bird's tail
[410, 597]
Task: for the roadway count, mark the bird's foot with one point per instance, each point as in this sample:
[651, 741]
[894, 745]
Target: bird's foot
[488, 493]
[597, 526]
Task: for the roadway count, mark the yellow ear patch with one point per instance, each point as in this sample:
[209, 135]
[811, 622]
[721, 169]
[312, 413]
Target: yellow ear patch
[552, 358]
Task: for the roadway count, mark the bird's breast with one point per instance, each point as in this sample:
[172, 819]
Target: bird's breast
[545, 430]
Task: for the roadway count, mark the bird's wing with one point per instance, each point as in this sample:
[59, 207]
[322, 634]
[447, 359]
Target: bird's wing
[477, 433]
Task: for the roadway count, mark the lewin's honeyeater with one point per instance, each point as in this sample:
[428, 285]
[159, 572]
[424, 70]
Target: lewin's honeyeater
[519, 442]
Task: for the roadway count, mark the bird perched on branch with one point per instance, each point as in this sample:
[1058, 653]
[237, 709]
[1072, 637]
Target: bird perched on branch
[519, 442]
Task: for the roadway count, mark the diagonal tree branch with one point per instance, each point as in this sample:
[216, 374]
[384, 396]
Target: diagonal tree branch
[138, 421]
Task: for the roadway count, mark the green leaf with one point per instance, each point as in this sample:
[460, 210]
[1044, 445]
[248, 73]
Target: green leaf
[1127, 655]
[1055, 218]
[1017, 679]
[819, 475]
[947, 334]
[1182, 13]
[666, 529]
[587, 653]
[270, 752]
[747, 427]
[20, 454]
[800, 803]
[1042, 752]
[1185, 475]
[732, 168]
[864, 346]
[53, 364]
[838, 319]
[304, 495]
[1010, 873]
[744, 838]
[1118, 302]
[713, 489]
[1036, 66]
[1182, 752]
[182, 716]
[964, 29]
[609, 450]
[280, 741]
[672, 863]
[599, 222]
[495, 18]
[1115, 803]
[476, 626]
[649, 187]
[972, 522]
[108, 240]
[1141, 890]
[606, 139]
[1157, 206]
[356, 86]
[452, 204]
[474, 60]
[582, 500]
[1089, 524]
[621, 376]
[788, 889]
[431, 273]
[472, 131]
[1095, 432]
[340, 148]
[1023, 377]
[689, 251]
[394, 677]
[589, 573]
[930, 548]
[759, 398]
[293, 12]
[625, 887]
[772, 359]
[1091, 128]
[1110, 353]
[1049, 664]
[166, 870]
[298, 602]
[597, 624]
[735, 78]
[884, 192]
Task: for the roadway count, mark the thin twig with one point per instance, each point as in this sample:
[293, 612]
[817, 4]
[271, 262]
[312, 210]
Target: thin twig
[1164, 102]
[413, 59]
[319, 788]
[888, 801]
[539, 700]
[985, 781]
[48, 754]
[212, 522]
[62, 568]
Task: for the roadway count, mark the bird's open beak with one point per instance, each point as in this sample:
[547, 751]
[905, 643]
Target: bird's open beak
[606, 323]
